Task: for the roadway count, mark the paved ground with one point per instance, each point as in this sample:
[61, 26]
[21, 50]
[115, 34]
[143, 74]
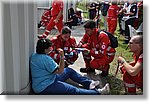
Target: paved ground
[78, 32]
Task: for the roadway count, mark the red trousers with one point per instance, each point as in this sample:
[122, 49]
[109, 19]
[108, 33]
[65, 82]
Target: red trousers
[51, 25]
[97, 63]
[132, 82]
[112, 24]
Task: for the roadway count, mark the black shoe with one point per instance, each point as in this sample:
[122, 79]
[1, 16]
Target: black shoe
[85, 70]
[104, 73]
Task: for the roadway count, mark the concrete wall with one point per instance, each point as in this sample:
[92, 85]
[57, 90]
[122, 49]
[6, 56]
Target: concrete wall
[19, 33]
[1, 52]
[17, 42]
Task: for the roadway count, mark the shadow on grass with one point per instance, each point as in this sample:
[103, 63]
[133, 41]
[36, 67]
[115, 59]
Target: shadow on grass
[116, 85]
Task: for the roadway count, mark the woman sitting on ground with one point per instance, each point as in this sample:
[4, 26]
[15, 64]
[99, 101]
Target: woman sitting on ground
[49, 78]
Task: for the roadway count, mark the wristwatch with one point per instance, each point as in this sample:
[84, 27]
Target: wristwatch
[122, 61]
[62, 57]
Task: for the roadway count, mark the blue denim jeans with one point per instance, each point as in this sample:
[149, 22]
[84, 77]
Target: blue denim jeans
[59, 87]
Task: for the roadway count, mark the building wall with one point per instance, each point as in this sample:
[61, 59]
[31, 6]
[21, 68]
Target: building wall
[19, 28]
[17, 42]
[1, 53]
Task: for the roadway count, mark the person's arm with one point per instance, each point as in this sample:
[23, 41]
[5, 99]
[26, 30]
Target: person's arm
[132, 70]
[61, 63]
[84, 41]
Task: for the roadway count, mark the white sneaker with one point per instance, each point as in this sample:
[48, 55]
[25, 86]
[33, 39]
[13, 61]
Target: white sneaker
[42, 27]
[93, 84]
[105, 90]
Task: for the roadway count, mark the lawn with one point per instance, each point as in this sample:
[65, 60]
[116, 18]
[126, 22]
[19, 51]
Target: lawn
[117, 87]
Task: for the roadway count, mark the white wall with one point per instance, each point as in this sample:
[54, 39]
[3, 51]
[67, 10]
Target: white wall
[19, 36]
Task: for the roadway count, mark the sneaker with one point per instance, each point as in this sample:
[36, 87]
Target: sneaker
[42, 27]
[93, 84]
[105, 90]
[85, 70]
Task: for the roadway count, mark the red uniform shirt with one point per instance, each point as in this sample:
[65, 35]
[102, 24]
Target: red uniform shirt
[138, 59]
[113, 11]
[139, 78]
[96, 43]
[66, 46]
[57, 6]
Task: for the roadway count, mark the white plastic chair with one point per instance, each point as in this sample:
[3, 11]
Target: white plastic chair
[133, 31]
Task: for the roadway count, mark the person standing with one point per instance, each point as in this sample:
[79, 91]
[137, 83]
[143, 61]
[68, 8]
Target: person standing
[133, 71]
[92, 10]
[131, 14]
[112, 15]
[56, 19]
[104, 8]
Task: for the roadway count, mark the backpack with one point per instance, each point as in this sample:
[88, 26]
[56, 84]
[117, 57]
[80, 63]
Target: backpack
[112, 38]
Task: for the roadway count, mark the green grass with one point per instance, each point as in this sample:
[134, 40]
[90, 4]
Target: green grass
[116, 83]
[82, 6]
[117, 87]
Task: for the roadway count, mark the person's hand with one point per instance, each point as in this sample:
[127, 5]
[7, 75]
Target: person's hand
[121, 69]
[86, 51]
[61, 52]
[79, 45]
[121, 60]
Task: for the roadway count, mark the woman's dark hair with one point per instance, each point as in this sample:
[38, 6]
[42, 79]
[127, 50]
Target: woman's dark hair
[90, 24]
[43, 44]
[71, 11]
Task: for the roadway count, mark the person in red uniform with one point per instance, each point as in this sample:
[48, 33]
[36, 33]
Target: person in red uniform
[46, 16]
[98, 53]
[56, 19]
[112, 15]
[133, 71]
[67, 43]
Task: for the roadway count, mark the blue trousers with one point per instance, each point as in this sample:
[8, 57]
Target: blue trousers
[59, 87]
